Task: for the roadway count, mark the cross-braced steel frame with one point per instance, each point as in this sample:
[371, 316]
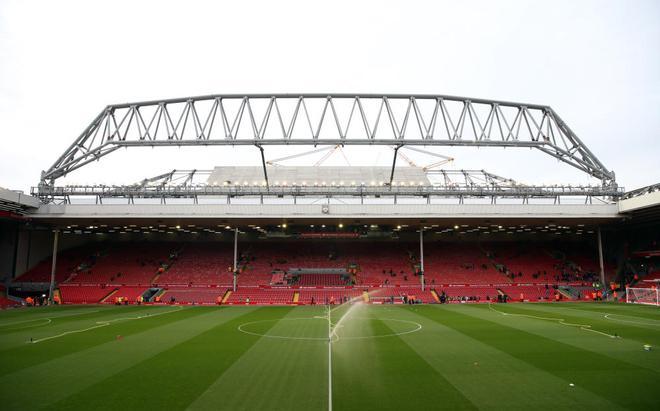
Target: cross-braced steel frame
[328, 119]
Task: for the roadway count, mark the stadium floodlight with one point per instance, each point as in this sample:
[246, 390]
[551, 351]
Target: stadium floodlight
[646, 296]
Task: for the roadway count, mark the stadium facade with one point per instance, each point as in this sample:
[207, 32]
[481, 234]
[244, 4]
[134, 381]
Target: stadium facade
[269, 213]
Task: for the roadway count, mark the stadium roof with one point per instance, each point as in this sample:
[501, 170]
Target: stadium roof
[310, 175]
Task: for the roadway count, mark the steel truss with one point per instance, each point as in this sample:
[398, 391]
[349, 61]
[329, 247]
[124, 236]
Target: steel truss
[328, 119]
[448, 184]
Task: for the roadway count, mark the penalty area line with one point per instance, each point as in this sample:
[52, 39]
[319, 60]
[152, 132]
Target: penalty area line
[585, 327]
[100, 324]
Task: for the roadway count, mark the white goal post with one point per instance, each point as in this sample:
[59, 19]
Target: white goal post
[648, 296]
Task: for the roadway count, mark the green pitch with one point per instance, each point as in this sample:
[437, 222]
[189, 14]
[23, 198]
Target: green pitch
[359, 357]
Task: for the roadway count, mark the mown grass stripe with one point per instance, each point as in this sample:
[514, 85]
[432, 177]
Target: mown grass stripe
[386, 372]
[276, 373]
[628, 348]
[58, 325]
[485, 374]
[636, 310]
[26, 354]
[66, 375]
[617, 381]
[30, 312]
[173, 378]
[7, 323]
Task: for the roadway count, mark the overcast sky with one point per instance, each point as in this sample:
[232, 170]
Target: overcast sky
[597, 63]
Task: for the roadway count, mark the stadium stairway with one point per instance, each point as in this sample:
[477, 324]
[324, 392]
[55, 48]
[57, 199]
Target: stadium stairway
[365, 296]
[435, 295]
[296, 297]
[226, 296]
[157, 294]
[567, 293]
[107, 297]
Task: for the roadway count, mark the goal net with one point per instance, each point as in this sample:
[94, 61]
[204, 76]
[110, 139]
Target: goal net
[647, 296]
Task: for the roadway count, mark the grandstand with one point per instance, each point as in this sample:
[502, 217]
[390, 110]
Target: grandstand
[369, 232]
[379, 262]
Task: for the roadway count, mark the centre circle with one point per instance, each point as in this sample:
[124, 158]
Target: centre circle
[337, 329]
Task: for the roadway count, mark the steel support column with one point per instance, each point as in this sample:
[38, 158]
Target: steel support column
[600, 258]
[421, 256]
[396, 153]
[263, 163]
[51, 289]
[235, 268]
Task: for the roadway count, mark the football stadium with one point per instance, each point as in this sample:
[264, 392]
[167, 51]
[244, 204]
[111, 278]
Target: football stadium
[283, 283]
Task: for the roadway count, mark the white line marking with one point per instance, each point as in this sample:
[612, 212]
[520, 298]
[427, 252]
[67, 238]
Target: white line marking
[585, 327]
[607, 316]
[105, 323]
[46, 318]
[329, 360]
[48, 321]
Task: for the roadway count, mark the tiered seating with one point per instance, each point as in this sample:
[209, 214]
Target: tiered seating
[327, 295]
[67, 262]
[529, 292]
[526, 263]
[414, 293]
[586, 262]
[650, 280]
[201, 263]
[481, 293]
[130, 293]
[325, 280]
[384, 265]
[4, 301]
[261, 296]
[535, 263]
[277, 278]
[192, 295]
[126, 263]
[447, 263]
[83, 294]
[584, 291]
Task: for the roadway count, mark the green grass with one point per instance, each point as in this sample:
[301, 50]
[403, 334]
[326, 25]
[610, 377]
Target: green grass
[516, 356]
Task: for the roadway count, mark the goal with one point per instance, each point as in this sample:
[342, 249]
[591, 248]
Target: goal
[648, 296]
